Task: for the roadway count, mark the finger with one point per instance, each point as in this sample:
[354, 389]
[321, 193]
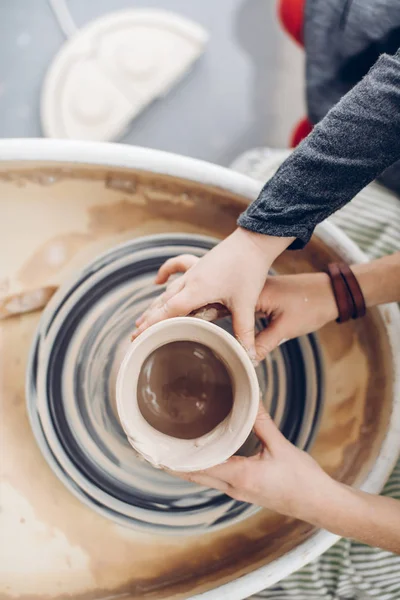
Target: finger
[179, 305]
[174, 288]
[230, 472]
[202, 478]
[177, 264]
[266, 430]
[268, 339]
[243, 321]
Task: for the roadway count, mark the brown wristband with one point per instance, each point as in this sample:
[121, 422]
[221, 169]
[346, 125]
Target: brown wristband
[355, 291]
[342, 295]
[348, 294]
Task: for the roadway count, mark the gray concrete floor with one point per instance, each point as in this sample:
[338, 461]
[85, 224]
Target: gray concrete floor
[246, 91]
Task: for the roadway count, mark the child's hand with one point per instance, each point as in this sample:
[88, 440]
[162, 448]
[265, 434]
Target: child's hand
[294, 304]
[232, 274]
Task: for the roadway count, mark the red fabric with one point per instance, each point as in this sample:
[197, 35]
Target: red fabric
[301, 131]
[291, 15]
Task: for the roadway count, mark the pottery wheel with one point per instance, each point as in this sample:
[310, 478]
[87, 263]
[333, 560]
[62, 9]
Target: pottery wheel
[78, 348]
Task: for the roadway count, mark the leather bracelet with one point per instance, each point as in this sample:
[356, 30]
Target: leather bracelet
[348, 295]
[355, 291]
[341, 292]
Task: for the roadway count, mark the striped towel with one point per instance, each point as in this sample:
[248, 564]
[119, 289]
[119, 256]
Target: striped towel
[349, 570]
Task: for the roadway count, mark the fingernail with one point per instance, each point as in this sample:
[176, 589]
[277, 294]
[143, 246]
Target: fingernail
[250, 351]
[253, 357]
[140, 319]
[283, 341]
[137, 332]
[254, 361]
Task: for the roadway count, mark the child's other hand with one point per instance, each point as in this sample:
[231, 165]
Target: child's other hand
[293, 304]
[232, 274]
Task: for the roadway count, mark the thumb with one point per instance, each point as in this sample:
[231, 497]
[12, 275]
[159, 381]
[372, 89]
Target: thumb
[268, 339]
[177, 264]
[179, 305]
[266, 430]
[243, 321]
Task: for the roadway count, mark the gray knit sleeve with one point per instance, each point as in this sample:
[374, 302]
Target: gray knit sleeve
[356, 141]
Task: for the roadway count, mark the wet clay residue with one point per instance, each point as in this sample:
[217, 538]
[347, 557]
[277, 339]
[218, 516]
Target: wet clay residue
[71, 209]
[184, 390]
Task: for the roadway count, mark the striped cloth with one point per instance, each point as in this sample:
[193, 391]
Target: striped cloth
[349, 570]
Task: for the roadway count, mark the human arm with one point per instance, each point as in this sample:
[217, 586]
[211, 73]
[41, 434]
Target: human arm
[287, 480]
[284, 298]
[380, 280]
[354, 143]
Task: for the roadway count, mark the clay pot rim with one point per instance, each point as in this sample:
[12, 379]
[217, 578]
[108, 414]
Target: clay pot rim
[195, 456]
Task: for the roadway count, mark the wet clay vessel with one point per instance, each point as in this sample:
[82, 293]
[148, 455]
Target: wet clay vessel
[227, 434]
[83, 515]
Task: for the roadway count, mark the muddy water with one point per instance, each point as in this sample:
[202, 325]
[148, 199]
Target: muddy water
[184, 390]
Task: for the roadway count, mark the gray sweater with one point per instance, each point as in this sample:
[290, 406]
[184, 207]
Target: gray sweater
[353, 144]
